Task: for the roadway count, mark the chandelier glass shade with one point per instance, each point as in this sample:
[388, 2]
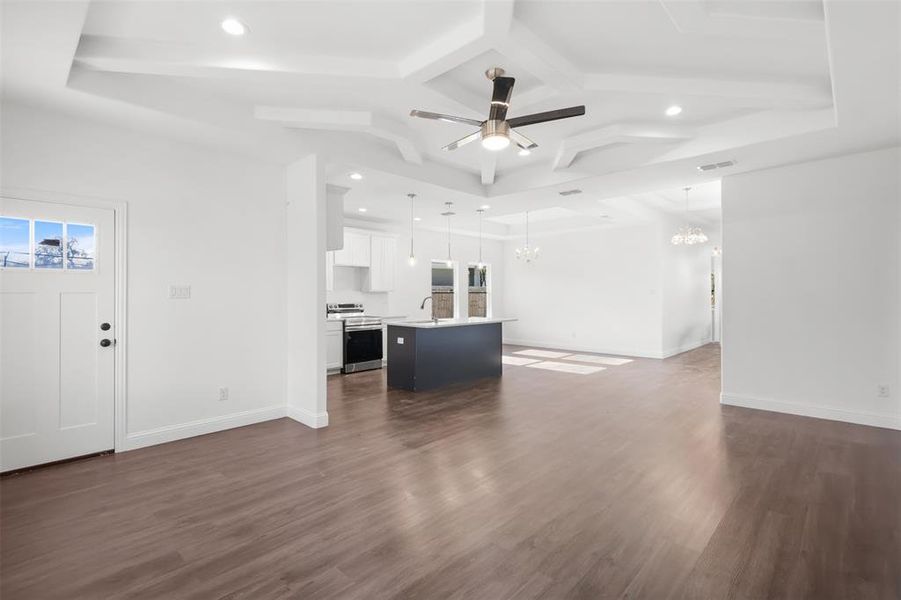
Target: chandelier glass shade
[688, 235]
[527, 253]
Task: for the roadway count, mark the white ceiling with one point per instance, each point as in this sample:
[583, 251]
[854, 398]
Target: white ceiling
[761, 82]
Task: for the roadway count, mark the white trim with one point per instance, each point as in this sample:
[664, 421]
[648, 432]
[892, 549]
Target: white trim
[685, 348]
[583, 348]
[302, 415]
[171, 433]
[120, 278]
[818, 412]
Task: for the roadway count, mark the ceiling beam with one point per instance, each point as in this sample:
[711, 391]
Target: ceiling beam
[488, 165]
[344, 120]
[617, 133]
[693, 17]
[523, 47]
[460, 44]
[769, 94]
[119, 55]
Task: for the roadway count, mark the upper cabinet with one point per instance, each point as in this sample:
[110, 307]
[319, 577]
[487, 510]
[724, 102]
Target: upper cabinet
[383, 258]
[373, 250]
[355, 252]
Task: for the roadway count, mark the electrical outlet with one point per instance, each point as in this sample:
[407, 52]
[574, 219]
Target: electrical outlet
[223, 394]
[883, 391]
[179, 292]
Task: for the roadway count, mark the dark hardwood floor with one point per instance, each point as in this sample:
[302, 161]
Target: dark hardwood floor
[633, 482]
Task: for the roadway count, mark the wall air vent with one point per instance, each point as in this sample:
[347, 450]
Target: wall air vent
[719, 165]
[570, 192]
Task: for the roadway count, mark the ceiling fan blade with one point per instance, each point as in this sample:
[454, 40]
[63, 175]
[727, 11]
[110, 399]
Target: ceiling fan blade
[422, 114]
[522, 141]
[462, 141]
[500, 98]
[551, 115]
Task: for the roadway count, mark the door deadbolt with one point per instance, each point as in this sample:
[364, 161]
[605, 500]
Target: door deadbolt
[105, 326]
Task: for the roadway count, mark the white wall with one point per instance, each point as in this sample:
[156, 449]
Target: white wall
[197, 217]
[412, 284]
[305, 229]
[592, 290]
[810, 284]
[687, 318]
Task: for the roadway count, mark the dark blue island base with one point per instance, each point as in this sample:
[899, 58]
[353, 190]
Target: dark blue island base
[426, 358]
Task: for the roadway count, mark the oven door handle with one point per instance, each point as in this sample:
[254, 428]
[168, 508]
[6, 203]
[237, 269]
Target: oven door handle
[363, 328]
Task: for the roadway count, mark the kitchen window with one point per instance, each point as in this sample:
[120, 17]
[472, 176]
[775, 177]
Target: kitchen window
[479, 291]
[444, 287]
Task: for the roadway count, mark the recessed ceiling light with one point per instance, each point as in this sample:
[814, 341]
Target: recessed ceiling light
[485, 206]
[233, 26]
[417, 218]
[356, 176]
[361, 209]
[673, 110]
[524, 152]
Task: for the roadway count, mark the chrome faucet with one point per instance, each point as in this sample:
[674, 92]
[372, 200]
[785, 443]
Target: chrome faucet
[422, 307]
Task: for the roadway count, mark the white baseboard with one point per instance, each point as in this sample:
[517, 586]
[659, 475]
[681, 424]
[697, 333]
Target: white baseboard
[308, 418]
[819, 412]
[685, 348]
[171, 433]
[584, 348]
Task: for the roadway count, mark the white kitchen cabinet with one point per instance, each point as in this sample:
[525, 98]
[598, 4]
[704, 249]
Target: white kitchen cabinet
[334, 345]
[356, 251]
[382, 263]
[329, 271]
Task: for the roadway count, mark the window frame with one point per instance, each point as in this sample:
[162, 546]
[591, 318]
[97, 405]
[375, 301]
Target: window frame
[32, 244]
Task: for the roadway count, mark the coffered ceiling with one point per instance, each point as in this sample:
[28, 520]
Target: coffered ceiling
[758, 82]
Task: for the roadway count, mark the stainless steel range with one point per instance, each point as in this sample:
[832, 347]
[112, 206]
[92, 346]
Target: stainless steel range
[362, 336]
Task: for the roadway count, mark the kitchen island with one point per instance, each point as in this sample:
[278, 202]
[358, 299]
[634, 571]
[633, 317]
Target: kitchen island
[425, 355]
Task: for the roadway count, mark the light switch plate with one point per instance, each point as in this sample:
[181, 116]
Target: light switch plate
[179, 292]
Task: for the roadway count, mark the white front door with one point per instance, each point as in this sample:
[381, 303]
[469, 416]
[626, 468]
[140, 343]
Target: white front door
[57, 334]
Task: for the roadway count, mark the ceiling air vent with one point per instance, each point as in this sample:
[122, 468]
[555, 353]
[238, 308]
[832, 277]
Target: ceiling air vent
[570, 192]
[719, 165]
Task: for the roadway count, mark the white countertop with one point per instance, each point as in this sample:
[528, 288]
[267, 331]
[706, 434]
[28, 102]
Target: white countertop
[428, 324]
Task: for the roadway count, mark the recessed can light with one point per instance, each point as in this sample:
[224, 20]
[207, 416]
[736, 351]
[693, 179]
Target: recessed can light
[524, 152]
[673, 110]
[233, 26]
[356, 176]
[417, 218]
[485, 206]
[361, 209]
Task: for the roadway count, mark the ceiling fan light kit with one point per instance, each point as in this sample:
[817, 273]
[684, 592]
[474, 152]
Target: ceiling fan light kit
[497, 132]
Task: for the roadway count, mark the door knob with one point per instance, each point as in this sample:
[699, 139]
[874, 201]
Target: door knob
[105, 326]
[105, 343]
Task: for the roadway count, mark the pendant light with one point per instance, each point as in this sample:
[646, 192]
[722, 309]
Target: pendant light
[448, 213]
[688, 235]
[527, 253]
[480, 264]
[412, 259]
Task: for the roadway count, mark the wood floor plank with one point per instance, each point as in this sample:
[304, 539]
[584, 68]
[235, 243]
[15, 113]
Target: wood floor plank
[630, 483]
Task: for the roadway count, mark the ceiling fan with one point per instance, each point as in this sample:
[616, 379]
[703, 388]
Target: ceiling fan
[497, 131]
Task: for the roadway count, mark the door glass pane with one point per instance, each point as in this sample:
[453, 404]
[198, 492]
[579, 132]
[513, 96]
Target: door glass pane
[48, 245]
[80, 247]
[14, 242]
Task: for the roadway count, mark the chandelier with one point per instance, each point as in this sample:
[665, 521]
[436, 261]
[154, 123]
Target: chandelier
[527, 253]
[688, 235]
